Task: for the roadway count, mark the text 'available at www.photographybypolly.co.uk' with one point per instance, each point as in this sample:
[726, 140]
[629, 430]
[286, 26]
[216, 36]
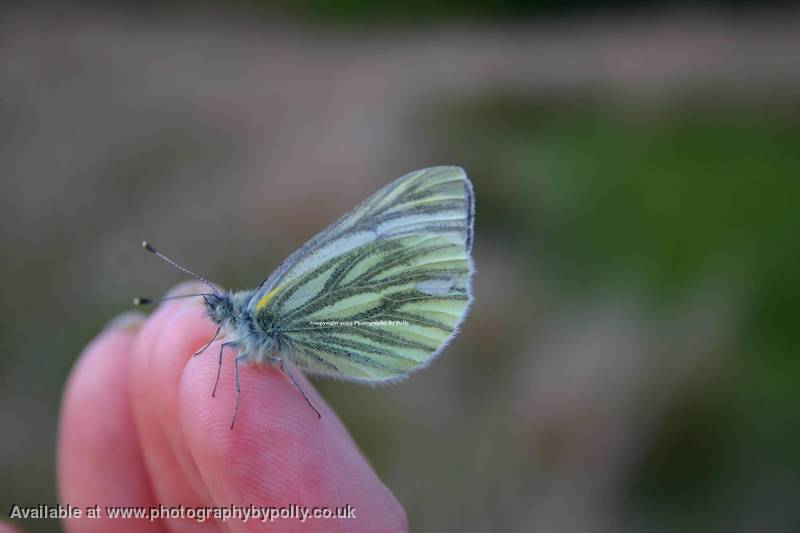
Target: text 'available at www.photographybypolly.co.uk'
[245, 513]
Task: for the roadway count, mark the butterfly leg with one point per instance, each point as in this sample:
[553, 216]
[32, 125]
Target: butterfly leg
[203, 349]
[219, 365]
[238, 388]
[279, 361]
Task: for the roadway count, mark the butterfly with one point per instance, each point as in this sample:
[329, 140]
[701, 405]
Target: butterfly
[373, 297]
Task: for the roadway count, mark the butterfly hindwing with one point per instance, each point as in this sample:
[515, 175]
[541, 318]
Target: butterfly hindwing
[378, 293]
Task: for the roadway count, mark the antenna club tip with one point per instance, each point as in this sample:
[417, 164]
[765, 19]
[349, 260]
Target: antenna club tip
[149, 247]
[141, 301]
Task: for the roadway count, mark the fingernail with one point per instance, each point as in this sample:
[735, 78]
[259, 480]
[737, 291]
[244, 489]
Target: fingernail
[127, 321]
[187, 287]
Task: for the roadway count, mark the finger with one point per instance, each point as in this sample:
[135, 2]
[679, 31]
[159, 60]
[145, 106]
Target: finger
[156, 367]
[8, 528]
[279, 453]
[99, 459]
[183, 333]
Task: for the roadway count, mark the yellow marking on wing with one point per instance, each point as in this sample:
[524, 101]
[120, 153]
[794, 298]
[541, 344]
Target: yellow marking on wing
[262, 303]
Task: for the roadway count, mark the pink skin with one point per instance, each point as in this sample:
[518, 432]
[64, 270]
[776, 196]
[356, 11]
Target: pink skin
[139, 427]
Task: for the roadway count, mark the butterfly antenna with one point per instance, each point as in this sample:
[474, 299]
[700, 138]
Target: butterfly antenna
[149, 247]
[147, 301]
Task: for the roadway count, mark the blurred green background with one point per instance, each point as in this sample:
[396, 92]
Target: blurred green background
[631, 362]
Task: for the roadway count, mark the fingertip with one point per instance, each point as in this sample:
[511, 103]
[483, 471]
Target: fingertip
[148, 341]
[278, 451]
[171, 335]
[167, 308]
[97, 441]
[127, 322]
[187, 288]
[103, 356]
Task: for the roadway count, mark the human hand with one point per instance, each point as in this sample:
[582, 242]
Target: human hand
[139, 428]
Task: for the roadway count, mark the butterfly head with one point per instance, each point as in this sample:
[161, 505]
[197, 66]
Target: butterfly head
[218, 306]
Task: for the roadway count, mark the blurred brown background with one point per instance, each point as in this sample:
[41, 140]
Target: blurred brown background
[631, 362]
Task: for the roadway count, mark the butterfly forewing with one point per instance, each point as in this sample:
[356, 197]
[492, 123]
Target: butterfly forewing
[379, 292]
